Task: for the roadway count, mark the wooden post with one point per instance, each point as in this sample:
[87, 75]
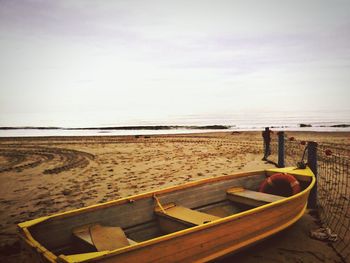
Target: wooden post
[267, 140]
[312, 163]
[281, 149]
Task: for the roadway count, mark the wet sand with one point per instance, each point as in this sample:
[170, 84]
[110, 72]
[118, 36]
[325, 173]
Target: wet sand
[42, 176]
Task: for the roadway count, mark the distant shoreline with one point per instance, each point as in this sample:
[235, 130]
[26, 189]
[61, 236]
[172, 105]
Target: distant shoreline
[169, 127]
[29, 131]
[19, 133]
[301, 126]
[151, 127]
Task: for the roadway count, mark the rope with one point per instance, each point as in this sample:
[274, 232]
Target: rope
[159, 204]
[324, 234]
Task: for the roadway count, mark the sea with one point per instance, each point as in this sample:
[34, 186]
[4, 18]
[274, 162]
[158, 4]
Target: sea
[318, 121]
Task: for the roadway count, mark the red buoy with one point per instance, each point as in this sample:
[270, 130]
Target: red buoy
[280, 184]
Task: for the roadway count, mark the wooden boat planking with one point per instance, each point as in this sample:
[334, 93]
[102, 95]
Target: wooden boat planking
[198, 243]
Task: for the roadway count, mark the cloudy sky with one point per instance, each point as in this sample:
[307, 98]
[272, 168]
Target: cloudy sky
[83, 63]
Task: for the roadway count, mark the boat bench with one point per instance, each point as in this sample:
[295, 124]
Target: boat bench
[251, 198]
[103, 237]
[174, 217]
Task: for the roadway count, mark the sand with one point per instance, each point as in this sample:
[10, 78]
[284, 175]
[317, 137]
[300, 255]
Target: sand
[42, 176]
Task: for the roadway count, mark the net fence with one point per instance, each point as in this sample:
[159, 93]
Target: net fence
[294, 151]
[333, 193]
[273, 157]
[333, 185]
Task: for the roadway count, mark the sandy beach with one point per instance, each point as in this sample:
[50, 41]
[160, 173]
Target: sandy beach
[41, 176]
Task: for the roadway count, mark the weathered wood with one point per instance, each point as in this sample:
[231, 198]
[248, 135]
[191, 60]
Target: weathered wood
[281, 151]
[170, 226]
[143, 232]
[103, 237]
[221, 209]
[251, 198]
[188, 185]
[83, 234]
[108, 238]
[209, 193]
[186, 215]
[312, 162]
[211, 241]
[201, 243]
[55, 233]
[235, 190]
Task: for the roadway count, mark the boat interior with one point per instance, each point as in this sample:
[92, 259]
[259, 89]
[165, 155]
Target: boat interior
[116, 225]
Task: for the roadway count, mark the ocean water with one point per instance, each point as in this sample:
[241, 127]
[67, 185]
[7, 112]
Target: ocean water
[239, 121]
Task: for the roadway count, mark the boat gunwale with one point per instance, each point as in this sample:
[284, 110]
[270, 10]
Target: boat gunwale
[132, 198]
[49, 255]
[29, 240]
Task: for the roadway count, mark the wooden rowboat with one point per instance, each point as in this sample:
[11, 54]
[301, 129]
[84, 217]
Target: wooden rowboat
[194, 222]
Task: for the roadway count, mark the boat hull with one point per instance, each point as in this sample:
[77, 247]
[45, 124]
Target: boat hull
[199, 243]
[205, 244]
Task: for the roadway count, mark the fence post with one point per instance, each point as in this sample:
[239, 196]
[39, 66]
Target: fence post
[312, 163]
[280, 149]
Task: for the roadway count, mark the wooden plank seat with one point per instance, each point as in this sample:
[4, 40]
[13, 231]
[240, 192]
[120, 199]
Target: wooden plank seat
[251, 198]
[185, 215]
[103, 237]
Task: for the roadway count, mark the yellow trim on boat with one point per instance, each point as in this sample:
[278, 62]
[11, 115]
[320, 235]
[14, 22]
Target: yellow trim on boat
[82, 257]
[216, 222]
[139, 196]
[35, 244]
[97, 255]
[33, 222]
[254, 239]
[292, 170]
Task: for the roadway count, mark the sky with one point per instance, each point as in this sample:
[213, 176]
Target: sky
[96, 63]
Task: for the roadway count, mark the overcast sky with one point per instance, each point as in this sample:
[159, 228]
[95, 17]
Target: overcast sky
[76, 63]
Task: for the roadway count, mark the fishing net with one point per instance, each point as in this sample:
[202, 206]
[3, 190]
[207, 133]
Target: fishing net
[333, 193]
[273, 157]
[333, 185]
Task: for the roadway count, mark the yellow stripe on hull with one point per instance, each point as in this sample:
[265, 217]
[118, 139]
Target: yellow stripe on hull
[195, 244]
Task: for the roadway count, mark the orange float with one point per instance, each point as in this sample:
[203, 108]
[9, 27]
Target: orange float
[280, 184]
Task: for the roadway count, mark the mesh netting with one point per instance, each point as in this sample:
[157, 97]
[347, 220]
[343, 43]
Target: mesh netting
[333, 184]
[274, 148]
[333, 193]
[294, 151]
